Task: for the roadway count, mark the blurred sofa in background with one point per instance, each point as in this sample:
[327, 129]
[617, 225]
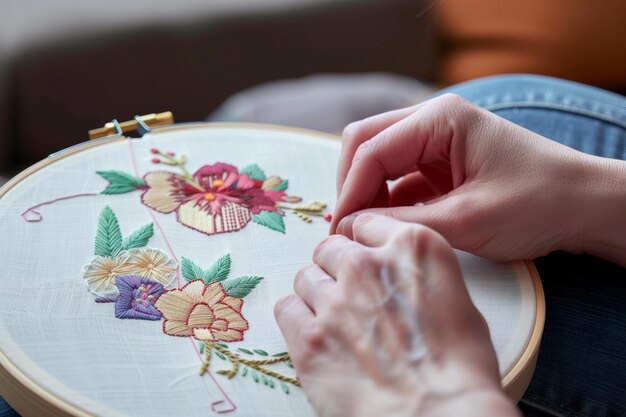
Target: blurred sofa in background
[70, 66]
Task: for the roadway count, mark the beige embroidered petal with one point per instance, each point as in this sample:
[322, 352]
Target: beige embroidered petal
[213, 294]
[219, 324]
[176, 328]
[194, 290]
[230, 335]
[152, 263]
[100, 274]
[203, 335]
[175, 305]
[235, 303]
[196, 215]
[234, 318]
[165, 191]
[200, 316]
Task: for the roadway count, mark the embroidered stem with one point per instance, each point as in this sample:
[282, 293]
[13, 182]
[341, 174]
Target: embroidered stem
[256, 364]
[306, 211]
[180, 163]
[38, 215]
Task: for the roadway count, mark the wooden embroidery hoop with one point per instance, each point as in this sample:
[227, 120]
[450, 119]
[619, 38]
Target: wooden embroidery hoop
[30, 398]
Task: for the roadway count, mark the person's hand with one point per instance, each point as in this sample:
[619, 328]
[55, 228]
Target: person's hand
[384, 326]
[489, 186]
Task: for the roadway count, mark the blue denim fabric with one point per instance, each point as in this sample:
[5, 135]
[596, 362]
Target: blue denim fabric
[6, 410]
[581, 369]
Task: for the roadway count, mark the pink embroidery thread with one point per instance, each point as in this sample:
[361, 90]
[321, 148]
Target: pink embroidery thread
[38, 214]
[215, 404]
[133, 162]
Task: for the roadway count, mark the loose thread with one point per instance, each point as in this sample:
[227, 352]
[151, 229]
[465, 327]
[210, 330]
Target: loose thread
[215, 404]
[38, 214]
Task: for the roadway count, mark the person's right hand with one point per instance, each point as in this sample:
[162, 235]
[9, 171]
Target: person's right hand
[489, 186]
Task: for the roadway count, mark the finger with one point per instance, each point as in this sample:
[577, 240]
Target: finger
[454, 216]
[331, 253]
[313, 285]
[375, 230]
[358, 132]
[293, 318]
[425, 136]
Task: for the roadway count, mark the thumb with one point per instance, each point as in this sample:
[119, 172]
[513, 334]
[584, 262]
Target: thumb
[453, 216]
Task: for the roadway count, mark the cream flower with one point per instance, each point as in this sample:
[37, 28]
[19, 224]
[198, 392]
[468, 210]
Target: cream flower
[100, 274]
[151, 263]
[205, 312]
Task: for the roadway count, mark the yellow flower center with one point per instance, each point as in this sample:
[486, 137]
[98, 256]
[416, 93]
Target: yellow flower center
[218, 183]
[209, 196]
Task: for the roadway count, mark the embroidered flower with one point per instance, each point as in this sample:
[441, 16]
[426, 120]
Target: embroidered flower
[100, 274]
[205, 312]
[151, 263]
[215, 199]
[137, 297]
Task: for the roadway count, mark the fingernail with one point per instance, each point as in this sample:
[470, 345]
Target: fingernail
[345, 226]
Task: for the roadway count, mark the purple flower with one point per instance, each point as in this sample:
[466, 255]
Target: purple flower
[137, 297]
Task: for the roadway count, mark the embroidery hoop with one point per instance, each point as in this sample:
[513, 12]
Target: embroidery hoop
[28, 397]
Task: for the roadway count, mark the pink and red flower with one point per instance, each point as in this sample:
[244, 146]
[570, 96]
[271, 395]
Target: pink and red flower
[215, 199]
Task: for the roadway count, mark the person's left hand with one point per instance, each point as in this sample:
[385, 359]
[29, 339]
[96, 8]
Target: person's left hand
[383, 325]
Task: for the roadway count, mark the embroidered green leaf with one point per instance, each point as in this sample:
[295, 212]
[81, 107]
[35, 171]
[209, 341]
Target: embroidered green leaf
[244, 372]
[120, 182]
[289, 364]
[202, 348]
[108, 236]
[270, 219]
[282, 186]
[255, 375]
[280, 354]
[244, 350]
[254, 172]
[219, 354]
[260, 352]
[240, 287]
[139, 238]
[219, 270]
[264, 379]
[270, 382]
[190, 270]
[285, 387]
[224, 345]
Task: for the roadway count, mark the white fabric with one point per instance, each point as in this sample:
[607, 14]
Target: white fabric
[51, 328]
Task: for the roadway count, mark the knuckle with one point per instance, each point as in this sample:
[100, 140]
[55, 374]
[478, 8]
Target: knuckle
[351, 132]
[362, 220]
[323, 244]
[299, 278]
[451, 100]
[313, 337]
[457, 109]
[283, 304]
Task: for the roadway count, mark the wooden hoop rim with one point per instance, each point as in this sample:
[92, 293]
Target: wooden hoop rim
[27, 397]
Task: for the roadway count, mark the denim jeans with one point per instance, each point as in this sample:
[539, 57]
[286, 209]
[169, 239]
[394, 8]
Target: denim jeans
[581, 370]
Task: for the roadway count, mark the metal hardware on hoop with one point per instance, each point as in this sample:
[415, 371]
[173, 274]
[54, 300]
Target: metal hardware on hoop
[141, 124]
